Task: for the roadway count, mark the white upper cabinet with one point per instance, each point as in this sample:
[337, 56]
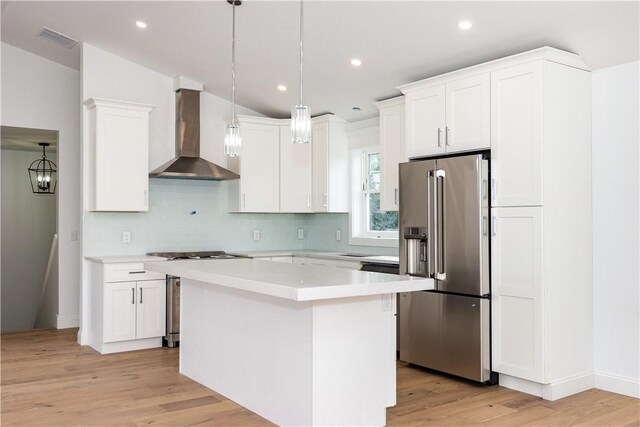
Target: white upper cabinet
[425, 122]
[449, 117]
[516, 128]
[118, 153]
[467, 114]
[391, 150]
[330, 165]
[258, 189]
[295, 173]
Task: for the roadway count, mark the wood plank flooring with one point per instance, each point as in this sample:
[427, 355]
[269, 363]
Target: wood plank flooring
[49, 380]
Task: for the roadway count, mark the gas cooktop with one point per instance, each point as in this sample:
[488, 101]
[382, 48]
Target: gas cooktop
[171, 256]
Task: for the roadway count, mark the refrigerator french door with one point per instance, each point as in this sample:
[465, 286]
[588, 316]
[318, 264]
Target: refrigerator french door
[444, 235]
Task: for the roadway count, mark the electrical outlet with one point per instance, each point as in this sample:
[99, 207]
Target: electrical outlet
[300, 233]
[256, 234]
[126, 237]
[73, 235]
[338, 235]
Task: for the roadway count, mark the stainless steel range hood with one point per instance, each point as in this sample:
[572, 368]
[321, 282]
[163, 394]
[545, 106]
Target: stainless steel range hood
[188, 164]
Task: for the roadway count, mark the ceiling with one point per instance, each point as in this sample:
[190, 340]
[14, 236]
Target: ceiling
[25, 139]
[398, 42]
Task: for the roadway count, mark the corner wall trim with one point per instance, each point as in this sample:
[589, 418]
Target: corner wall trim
[617, 384]
[65, 322]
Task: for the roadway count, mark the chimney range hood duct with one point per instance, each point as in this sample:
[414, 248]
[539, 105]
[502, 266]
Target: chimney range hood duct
[188, 164]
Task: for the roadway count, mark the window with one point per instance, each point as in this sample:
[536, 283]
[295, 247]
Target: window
[370, 225]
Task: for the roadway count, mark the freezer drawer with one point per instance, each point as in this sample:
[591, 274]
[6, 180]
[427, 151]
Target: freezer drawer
[445, 332]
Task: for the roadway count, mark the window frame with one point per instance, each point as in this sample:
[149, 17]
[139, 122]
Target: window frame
[359, 225]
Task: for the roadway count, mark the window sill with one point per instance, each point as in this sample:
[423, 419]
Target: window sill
[385, 242]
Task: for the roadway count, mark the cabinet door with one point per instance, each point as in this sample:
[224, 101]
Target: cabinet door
[516, 132]
[121, 160]
[468, 108]
[320, 144]
[391, 148]
[295, 174]
[151, 309]
[516, 269]
[260, 168]
[119, 311]
[425, 122]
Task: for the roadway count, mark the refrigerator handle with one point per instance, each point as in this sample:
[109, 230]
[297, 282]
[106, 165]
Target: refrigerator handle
[440, 232]
[431, 237]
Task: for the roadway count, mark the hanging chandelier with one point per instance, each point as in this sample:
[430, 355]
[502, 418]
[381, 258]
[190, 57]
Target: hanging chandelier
[232, 140]
[42, 173]
[300, 114]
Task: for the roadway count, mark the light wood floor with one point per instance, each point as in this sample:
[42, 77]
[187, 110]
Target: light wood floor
[49, 380]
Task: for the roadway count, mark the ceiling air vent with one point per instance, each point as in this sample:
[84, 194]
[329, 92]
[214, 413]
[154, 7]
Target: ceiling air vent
[57, 38]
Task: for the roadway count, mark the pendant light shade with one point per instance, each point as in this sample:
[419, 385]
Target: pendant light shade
[43, 174]
[232, 142]
[301, 114]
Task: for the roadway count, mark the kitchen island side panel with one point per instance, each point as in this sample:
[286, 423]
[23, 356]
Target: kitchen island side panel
[253, 349]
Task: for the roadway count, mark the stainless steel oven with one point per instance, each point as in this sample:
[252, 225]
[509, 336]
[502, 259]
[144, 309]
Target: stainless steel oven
[172, 334]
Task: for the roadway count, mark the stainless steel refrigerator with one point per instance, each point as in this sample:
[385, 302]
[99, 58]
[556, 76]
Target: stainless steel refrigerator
[444, 234]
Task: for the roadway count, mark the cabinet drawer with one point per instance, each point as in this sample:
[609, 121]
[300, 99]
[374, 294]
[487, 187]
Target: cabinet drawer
[129, 272]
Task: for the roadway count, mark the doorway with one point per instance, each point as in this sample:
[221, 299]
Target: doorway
[29, 276]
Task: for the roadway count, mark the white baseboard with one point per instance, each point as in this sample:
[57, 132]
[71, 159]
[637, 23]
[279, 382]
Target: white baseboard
[568, 386]
[553, 391]
[617, 384]
[65, 322]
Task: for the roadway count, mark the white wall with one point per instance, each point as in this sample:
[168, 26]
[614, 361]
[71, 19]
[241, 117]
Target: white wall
[28, 226]
[38, 93]
[616, 214]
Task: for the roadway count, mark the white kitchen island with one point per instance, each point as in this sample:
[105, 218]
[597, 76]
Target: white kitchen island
[296, 344]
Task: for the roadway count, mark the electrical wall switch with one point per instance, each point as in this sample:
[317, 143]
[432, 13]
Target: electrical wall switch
[126, 237]
[256, 234]
[300, 233]
[338, 235]
[73, 235]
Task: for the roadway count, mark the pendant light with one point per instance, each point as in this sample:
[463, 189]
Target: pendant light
[300, 114]
[42, 173]
[232, 140]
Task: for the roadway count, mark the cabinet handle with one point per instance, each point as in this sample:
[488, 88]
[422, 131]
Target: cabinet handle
[140, 295]
[484, 225]
[494, 231]
[244, 201]
[308, 200]
[133, 295]
[447, 140]
[493, 188]
[485, 189]
[146, 197]
[324, 199]
[396, 194]
[137, 272]
[439, 137]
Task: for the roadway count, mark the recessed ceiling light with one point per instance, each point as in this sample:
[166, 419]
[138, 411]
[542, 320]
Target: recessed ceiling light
[282, 88]
[141, 24]
[356, 62]
[465, 25]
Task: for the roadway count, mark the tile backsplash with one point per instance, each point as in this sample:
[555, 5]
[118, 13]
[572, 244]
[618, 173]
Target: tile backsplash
[193, 215]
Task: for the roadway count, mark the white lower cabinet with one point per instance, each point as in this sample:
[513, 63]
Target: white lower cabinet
[128, 307]
[517, 292]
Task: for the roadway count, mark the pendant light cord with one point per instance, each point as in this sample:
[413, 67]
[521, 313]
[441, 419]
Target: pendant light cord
[233, 66]
[301, 54]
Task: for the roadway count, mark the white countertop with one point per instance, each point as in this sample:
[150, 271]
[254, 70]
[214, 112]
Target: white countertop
[290, 281]
[116, 259]
[382, 259]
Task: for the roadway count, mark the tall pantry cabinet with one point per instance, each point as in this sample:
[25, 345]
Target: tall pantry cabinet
[541, 227]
